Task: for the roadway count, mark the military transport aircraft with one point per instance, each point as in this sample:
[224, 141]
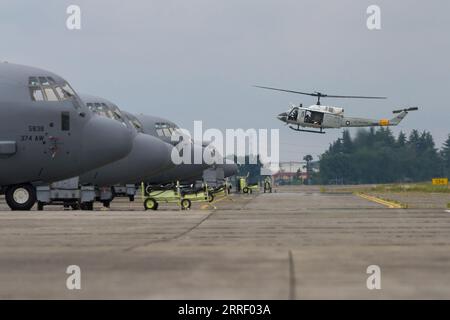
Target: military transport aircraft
[148, 156]
[185, 173]
[323, 117]
[149, 161]
[47, 134]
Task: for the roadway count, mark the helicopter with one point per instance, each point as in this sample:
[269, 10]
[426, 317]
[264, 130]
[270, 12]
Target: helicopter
[318, 117]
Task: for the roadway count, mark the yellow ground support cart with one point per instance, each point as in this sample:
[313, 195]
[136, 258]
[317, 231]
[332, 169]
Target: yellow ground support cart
[220, 191]
[244, 187]
[184, 197]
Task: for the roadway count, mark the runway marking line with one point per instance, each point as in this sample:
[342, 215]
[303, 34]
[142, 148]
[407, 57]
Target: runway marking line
[211, 204]
[389, 204]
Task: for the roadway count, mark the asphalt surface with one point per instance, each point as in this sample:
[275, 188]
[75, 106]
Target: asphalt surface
[297, 243]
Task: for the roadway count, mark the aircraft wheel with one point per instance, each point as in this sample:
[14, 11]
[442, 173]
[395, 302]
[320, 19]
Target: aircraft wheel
[185, 204]
[150, 204]
[21, 197]
[245, 190]
[131, 198]
[210, 197]
[87, 206]
[40, 205]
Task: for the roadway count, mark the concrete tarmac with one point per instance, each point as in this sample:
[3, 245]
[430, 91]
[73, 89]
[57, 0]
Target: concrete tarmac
[297, 243]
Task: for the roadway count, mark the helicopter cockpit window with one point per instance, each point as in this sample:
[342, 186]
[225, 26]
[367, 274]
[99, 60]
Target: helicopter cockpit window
[293, 115]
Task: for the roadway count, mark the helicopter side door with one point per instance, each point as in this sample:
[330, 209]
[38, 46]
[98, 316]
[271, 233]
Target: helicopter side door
[313, 118]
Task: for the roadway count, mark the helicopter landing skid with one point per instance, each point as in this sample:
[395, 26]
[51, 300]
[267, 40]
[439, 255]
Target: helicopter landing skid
[304, 130]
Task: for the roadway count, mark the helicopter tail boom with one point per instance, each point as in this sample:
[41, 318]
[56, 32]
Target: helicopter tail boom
[362, 122]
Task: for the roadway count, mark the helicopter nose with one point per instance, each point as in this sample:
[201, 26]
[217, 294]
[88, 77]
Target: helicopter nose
[282, 116]
[104, 141]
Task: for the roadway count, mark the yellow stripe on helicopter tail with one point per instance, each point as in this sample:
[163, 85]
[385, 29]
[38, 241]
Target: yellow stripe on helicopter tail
[384, 122]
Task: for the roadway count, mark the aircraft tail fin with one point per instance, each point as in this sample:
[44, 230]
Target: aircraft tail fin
[401, 114]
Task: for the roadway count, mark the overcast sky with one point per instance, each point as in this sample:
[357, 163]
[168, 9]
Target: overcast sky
[198, 59]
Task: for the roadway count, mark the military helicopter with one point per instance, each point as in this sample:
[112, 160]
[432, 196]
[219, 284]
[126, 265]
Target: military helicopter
[321, 117]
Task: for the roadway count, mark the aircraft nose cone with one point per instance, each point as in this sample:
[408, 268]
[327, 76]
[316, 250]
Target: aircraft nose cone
[104, 141]
[282, 116]
[230, 168]
[153, 155]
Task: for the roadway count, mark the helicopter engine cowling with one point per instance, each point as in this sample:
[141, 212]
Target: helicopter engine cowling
[328, 109]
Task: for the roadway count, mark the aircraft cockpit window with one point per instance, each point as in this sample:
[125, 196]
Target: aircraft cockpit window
[68, 90]
[61, 93]
[36, 94]
[33, 81]
[46, 89]
[97, 108]
[164, 129]
[167, 132]
[117, 114]
[44, 81]
[50, 94]
[136, 123]
[104, 110]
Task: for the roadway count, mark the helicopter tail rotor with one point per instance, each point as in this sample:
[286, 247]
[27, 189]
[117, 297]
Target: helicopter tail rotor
[405, 110]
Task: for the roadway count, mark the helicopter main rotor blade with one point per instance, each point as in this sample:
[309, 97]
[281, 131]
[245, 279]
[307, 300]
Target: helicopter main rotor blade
[352, 97]
[291, 91]
[320, 94]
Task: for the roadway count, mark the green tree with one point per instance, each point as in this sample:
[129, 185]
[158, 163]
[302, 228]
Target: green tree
[445, 154]
[308, 158]
[376, 156]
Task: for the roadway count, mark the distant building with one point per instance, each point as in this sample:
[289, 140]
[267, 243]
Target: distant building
[293, 172]
[290, 172]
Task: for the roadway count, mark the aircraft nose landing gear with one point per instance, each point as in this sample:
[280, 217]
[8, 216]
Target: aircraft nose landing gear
[20, 197]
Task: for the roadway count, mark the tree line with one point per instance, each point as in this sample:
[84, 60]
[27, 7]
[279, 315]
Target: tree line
[377, 156]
